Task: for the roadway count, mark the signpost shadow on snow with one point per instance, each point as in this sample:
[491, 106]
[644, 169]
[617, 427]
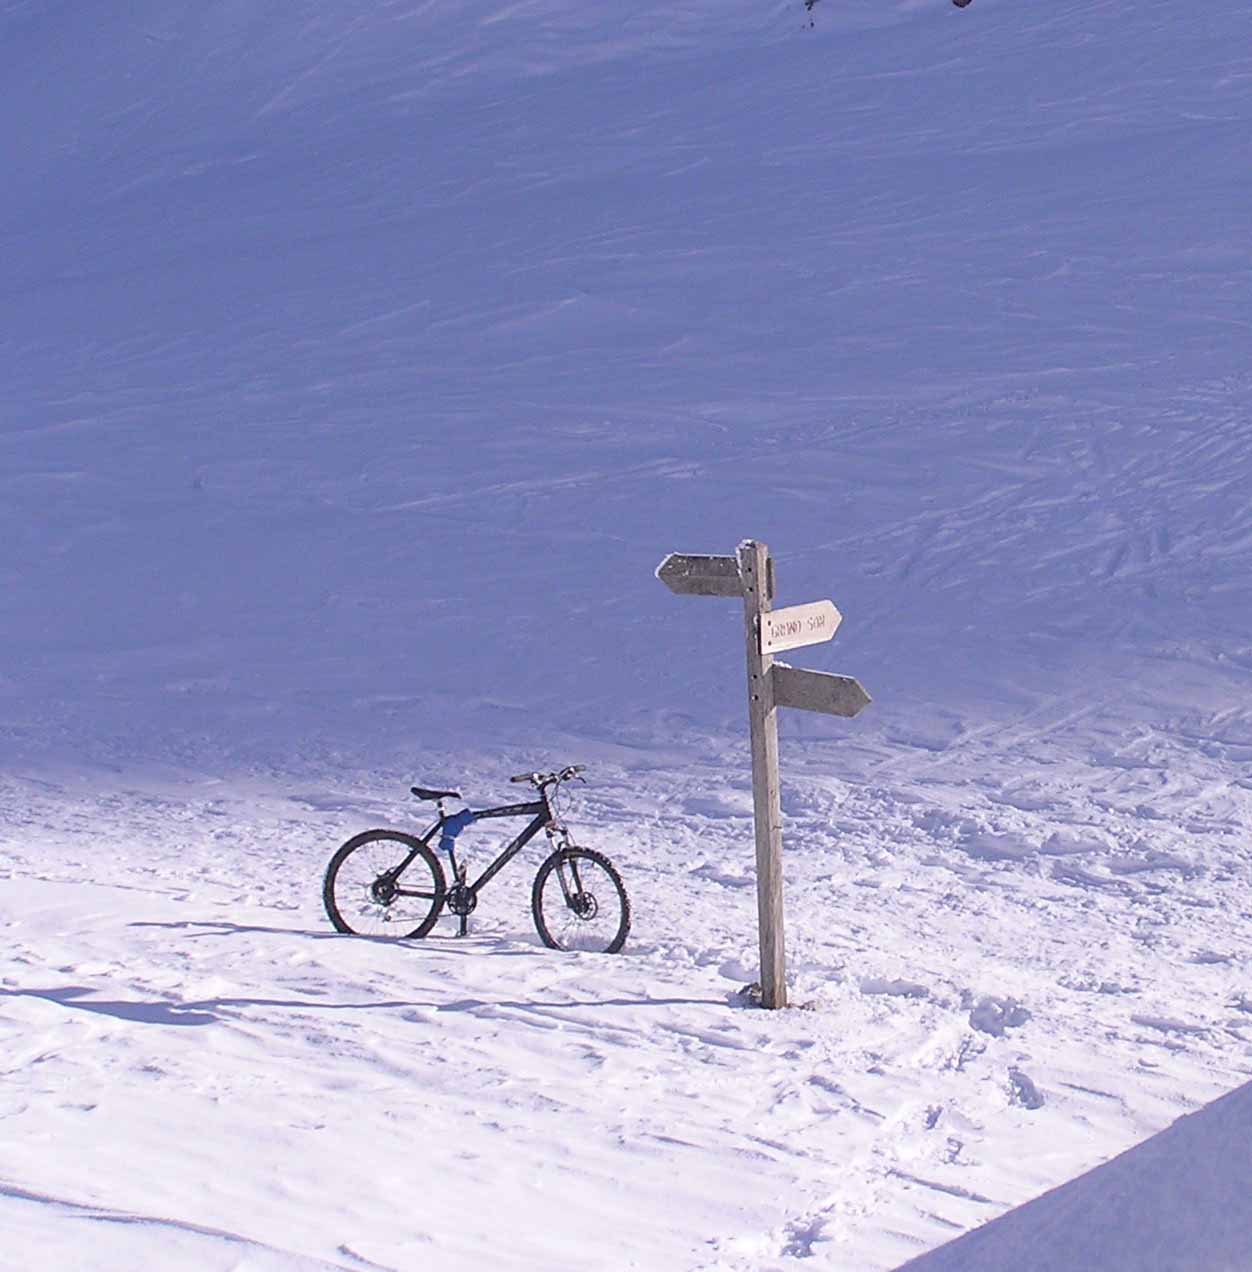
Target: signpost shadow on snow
[206, 1011]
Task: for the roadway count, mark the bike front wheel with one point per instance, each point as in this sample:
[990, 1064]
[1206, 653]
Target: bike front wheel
[383, 883]
[580, 903]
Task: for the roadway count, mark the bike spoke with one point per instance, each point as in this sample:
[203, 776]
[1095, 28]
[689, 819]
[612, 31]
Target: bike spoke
[580, 905]
[371, 898]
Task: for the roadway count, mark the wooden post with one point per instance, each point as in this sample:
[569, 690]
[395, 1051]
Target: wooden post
[771, 685]
[763, 728]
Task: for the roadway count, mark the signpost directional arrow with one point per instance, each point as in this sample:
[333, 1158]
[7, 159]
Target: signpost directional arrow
[799, 625]
[818, 691]
[690, 575]
[700, 575]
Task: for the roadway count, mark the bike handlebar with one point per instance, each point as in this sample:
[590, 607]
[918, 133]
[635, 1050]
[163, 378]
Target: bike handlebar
[540, 780]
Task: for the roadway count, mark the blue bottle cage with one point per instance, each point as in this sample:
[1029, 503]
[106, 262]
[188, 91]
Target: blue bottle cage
[452, 827]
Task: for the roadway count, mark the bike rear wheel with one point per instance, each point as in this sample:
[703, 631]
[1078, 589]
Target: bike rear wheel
[384, 883]
[580, 903]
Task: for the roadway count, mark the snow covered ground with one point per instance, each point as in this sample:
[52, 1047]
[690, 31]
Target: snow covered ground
[358, 368]
[1178, 1201]
[988, 1006]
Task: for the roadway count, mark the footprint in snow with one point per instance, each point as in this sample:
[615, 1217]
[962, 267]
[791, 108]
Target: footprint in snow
[719, 874]
[1023, 1091]
[801, 1235]
[995, 1016]
[893, 988]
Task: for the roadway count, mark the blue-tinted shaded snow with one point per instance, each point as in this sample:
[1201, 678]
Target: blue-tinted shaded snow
[354, 357]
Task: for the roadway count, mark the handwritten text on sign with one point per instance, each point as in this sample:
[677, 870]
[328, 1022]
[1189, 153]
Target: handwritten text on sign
[798, 625]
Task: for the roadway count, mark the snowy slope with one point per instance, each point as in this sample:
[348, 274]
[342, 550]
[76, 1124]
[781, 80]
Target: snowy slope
[357, 367]
[355, 357]
[1176, 1202]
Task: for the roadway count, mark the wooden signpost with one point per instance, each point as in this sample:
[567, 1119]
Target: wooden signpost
[750, 574]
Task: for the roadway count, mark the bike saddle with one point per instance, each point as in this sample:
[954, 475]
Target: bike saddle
[422, 793]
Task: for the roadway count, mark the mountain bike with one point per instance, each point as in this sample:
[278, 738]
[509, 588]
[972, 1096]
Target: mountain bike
[387, 883]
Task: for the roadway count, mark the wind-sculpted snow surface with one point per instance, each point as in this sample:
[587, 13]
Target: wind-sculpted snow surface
[359, 364]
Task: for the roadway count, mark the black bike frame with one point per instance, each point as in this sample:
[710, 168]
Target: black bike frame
[540, 810]
[542, 815]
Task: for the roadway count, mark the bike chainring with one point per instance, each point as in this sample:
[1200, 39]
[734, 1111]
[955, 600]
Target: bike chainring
[461, 899]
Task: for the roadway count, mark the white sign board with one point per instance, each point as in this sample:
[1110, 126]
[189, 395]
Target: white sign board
[799, 625]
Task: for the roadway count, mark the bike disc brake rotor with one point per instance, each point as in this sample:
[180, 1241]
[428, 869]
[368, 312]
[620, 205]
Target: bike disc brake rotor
[584, 905]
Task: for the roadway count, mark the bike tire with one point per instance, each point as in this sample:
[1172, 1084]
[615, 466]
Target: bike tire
[351, 888]
[579, 902]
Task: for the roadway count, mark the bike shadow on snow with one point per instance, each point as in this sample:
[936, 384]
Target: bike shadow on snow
[442, 942]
